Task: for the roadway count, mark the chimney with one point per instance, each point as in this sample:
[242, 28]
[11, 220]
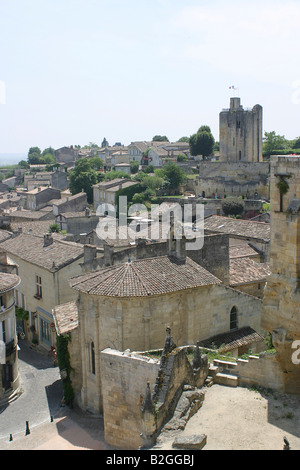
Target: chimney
[108, 254]
[48, 239]
[177, 240]
[89, 253]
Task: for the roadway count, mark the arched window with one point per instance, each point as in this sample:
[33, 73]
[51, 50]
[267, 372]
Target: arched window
[92, 353]
[233, 318]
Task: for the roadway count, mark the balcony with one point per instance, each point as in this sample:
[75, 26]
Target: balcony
[10, 347]
[4, 309]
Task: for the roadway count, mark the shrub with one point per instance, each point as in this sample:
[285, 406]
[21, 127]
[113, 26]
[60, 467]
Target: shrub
[233, 207]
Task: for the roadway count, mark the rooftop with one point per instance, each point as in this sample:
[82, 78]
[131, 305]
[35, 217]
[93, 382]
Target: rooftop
[242, 250]
[239, 227]
[247, 271]
[31, 248]
[8, 282]
[66, 317]
[232, 339]
[144, 277]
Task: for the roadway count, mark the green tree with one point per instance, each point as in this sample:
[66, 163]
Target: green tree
[152, 182]
[182, 157]
[134, 167]
[202, 143]
[49, 150]
[149, 169]
[96, 163]
[173, 176]
[160, 138]
[48, 159]
[233, 207]
[113, 174]
[184, 139]
[54, 228]
[23, 164]
[273, 142]
[296, 144]
[34, 155]
[83, 177]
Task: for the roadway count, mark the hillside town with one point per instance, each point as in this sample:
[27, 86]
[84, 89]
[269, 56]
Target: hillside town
[151, 274]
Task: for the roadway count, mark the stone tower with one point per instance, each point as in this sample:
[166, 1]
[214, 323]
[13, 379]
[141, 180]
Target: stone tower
[281, 304]
[240, 133]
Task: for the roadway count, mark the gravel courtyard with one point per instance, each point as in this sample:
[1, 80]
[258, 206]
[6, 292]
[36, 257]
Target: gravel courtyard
[243, 419]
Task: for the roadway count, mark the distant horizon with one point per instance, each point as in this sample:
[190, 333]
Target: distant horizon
[127, 70]
[7, 158]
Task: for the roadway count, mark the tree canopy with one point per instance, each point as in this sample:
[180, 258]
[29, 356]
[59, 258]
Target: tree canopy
[83, 177]
[160, 138]
[37, 157]
[173, 175]
[202, 142]
[274, 142]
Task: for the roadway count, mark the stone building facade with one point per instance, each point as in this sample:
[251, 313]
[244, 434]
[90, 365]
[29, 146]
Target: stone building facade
[240, 170]
[281, 305]
[240, 133]
[129, 305]
[9, 373]
[45, 265]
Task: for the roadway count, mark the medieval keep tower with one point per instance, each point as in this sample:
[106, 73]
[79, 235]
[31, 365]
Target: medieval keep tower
[281, 304]
[240, 133]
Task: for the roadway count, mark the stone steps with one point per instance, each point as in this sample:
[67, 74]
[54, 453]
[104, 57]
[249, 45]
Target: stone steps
[226, 379]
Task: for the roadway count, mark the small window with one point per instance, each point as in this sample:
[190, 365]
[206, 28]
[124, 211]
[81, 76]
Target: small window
[233, 142]
[93, 365]
[233, 318]
[38, 287]
[240, 155]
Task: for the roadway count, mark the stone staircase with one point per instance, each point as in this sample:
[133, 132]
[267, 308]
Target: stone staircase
[222, 372]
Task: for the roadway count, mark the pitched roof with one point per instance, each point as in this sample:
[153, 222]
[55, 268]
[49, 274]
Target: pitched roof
[8, 282]
[144, 277]
[5, 235]
[31, 248]
[27, 214]
[66, 317]
[246, 271]
[232, 339]
[242, 250]
[244, 228]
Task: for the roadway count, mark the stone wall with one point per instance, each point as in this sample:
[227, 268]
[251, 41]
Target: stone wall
[214, 256]
[281, 306]
[233, 179]
[124, 380]
[240, 133]
[259, 371]
[133, 415]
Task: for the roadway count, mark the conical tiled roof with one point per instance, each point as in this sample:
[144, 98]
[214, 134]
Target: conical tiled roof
[144, 277]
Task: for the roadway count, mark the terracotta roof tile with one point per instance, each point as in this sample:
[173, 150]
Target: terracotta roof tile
[66, 317]
[232, 339]
[8, 282]
[246, 271]
[151, 276]
[31, 248]
[244, 228]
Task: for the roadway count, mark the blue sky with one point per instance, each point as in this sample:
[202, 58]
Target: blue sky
[75, 71]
